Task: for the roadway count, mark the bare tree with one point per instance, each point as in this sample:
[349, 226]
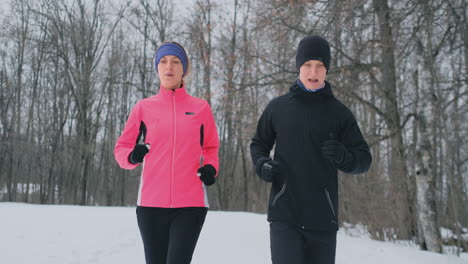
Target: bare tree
[81, 38]
[399, 173]
[425, 162]
[19, 32]
[200, 30]
[153, 21]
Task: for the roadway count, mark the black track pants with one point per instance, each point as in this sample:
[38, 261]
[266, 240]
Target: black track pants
[291, 244]
[170, 234]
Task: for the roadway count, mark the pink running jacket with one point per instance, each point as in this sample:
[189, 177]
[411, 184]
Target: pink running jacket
[169, 175]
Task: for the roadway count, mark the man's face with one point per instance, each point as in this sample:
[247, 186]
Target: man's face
[312, 74]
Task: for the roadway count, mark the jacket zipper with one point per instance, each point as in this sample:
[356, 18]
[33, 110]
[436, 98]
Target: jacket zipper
[279, 194]
[330, 202]
[173, 147]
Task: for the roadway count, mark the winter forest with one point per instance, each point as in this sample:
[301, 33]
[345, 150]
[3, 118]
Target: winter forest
[70, 71]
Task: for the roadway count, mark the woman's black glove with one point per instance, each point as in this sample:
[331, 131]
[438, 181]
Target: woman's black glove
[138, 153]
[207, 174]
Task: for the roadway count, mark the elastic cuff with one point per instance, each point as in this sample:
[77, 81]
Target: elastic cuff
[259, 165]
[131, 160]
[348, 163]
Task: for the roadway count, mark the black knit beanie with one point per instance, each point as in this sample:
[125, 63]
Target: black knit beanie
[313, 48]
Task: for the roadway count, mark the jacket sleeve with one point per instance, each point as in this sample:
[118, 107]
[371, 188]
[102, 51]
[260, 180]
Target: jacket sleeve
[126, 142]
[211, 140]
[263, 140]
[354, 142]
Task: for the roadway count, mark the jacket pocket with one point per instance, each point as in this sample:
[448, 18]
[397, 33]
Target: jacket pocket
[327, 194]
[278, 195]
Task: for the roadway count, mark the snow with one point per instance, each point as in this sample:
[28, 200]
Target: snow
[62, 234]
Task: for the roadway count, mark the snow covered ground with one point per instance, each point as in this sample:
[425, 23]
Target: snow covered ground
[59, 234]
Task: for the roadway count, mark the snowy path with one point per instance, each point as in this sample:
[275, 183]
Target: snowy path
[72, 234]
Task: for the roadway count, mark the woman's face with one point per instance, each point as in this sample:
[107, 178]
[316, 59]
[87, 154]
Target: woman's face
[170, 72]
[312, 74]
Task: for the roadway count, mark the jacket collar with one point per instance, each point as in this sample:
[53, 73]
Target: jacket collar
[320, 95]
[179, 93]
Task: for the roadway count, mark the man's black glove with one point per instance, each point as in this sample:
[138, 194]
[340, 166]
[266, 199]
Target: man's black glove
[267, 169]
[138, 153]
[335, 151]
[207, 174]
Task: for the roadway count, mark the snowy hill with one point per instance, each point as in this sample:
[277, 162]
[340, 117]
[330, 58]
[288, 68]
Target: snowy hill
[58, 234]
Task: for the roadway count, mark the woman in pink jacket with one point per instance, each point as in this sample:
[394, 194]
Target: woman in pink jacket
[179, 156]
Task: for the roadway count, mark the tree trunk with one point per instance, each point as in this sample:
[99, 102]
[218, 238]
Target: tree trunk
[398, 171]
[425, 162]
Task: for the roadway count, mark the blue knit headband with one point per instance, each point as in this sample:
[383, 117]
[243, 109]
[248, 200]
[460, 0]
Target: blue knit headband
[171, 49]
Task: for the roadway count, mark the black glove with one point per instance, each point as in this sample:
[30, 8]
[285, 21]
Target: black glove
[335, 151]
[138, 153]
[267, 169]
[207, 174]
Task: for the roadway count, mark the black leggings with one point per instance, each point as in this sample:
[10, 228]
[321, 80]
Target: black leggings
[292, 244]
[170, 234]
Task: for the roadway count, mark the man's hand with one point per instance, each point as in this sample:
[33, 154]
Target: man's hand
[267, 169]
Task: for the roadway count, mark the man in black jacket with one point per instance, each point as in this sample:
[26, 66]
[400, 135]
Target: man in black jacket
[315, 135]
